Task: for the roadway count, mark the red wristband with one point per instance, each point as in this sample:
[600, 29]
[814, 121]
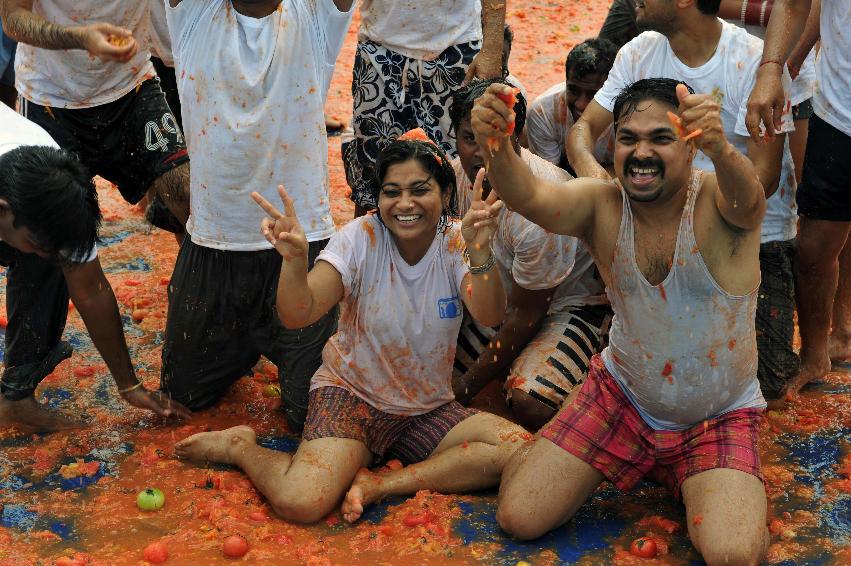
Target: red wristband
[776, 62]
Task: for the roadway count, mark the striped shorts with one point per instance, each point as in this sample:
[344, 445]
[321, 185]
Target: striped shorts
[603, 429]
[334, 412]
[555, 360]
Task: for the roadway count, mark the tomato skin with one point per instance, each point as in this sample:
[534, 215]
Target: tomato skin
[235, 546]
[155, 553]
[150, 499]
[643, 547]
[412, 520]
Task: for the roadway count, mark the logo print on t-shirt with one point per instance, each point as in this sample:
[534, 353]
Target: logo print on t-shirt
[449, 307]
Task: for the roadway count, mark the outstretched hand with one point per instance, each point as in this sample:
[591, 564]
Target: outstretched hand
[480, 223]
[156, 401]
[109, 42]
[492, 119]
[282, 230]
[767, 102]
[700, 118]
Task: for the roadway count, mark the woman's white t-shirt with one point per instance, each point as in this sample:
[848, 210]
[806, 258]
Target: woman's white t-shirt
[395, 345]
[253, 93]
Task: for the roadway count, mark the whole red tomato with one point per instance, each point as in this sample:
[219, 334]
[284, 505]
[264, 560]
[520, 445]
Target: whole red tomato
[235, 546]
[155, 553]
[643, 547]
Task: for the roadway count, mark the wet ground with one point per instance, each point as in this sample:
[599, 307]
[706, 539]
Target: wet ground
[69, 498]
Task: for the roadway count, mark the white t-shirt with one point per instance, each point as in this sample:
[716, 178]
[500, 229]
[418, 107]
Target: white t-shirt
[536, 259]
[395, 344]
[16, 131]
[548, 122]
[73, 78]
[832, 99]
[157, 38]
[802, 86]
[253, 93]
[729, 75]
[420, 29]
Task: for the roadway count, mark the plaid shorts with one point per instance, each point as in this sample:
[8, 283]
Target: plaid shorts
[334, 412]
[603, 429]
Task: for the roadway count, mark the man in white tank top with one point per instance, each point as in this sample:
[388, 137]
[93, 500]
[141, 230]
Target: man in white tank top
[674, 396]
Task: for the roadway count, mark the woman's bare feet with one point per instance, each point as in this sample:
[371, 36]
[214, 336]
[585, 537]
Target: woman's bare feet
[365, 490]
[219, 446]
[29, 414]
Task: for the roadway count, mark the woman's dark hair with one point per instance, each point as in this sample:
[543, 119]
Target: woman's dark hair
[432, 159]
[52, 195]
[662, 90]
[464, 99]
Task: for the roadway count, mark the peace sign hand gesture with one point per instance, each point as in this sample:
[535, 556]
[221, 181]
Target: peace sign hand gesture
[282, 230]
[480, 223]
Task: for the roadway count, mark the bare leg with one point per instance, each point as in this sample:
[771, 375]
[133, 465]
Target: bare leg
[542, 487]
[798, 146]
[29, 414]
[816, 273]
[471, 457]
[726, 512]
[840, 337]
[301, 488]
[528, 411]
[173, 188]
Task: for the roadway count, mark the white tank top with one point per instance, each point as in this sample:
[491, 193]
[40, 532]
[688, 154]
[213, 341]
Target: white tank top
[685, 350]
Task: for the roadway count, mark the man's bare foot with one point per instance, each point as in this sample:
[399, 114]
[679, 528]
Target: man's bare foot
[218, 446]
[29, 414]
[839, 347]
[809, 372]
[365, 490]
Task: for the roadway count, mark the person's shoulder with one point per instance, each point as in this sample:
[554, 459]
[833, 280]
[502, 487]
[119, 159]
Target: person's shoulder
[453, 241]
[739, 45]
[644, 41]
[549, 95]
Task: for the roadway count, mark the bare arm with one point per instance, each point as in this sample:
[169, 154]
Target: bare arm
[303, 298]
[582, 138]
[767, 159]
[485, 295]
[100, 39]
[811, 34]
[526, 312]
[741, 197]
[95, 301]
[564, 208]
[767, 98]
[342, 5]
[487, 64]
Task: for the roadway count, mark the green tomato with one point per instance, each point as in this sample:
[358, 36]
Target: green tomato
[150, 499]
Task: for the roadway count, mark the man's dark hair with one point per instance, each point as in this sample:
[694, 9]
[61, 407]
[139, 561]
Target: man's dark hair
[508, 35]
[52, 195]
[432, 159]
[662, 90]
[709, 7]
[464, 99]
[592, 56]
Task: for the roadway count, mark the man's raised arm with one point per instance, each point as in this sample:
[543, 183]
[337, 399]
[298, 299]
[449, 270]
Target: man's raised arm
[581, 140]
[564, 208]
[100, 39]
[741, 197]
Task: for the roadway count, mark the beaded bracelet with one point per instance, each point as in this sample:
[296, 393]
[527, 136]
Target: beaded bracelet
[479, 269]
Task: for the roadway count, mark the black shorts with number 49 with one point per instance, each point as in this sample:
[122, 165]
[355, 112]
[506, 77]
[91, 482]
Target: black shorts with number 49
[131, 141]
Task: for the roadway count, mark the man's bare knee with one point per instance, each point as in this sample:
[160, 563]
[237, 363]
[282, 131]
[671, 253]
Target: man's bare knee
[515, 519]
[173, 188]
[735, 551]
[528, 411]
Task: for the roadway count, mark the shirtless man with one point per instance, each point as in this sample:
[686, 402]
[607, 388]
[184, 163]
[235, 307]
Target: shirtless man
[675, 394]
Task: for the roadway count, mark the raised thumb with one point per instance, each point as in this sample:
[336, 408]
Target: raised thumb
[682, 92]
